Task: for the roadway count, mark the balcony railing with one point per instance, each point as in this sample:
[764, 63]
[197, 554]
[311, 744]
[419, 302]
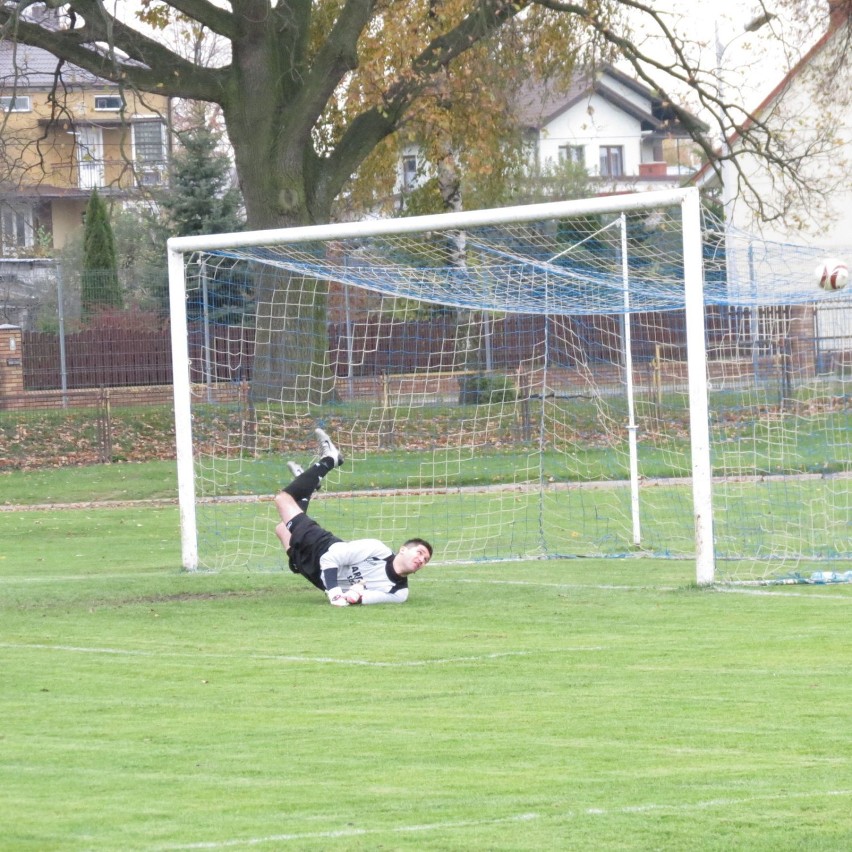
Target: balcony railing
[120, 174]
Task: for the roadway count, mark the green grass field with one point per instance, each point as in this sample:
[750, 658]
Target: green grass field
[561, 704]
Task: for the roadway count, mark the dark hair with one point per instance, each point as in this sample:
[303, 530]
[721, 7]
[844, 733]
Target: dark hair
[416, 541]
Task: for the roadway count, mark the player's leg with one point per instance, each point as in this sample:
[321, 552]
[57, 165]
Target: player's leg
[304, 540]
[288, 507]
[297, 470]
[299, 558]
[306, 482]
[327, 449]
[283, 535]
[291, 502]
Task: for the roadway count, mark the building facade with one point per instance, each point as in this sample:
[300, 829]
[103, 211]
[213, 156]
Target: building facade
[64, 133]
[625, 136]
[815, 121]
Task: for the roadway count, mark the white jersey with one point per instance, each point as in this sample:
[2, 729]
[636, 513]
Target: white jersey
[370, 562]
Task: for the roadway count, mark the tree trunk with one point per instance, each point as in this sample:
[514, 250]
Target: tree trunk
[291, 363]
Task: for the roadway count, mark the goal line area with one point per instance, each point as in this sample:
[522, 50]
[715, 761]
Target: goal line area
[603, 377]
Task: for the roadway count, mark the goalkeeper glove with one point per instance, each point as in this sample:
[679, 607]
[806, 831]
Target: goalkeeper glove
[335, 597]
[355, 593]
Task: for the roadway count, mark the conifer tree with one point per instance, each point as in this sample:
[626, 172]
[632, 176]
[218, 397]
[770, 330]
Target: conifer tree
[99, 287]
[201, 197]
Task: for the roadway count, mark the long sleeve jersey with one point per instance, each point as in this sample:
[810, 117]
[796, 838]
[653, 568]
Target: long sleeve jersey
[367, 561]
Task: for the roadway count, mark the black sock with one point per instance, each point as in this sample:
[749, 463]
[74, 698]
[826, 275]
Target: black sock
[327, 463]
[304, 485]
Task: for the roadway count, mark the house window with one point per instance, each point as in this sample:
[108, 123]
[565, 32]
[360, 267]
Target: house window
[409, 171]
[149, 146]
[91, 167]
[612, 160]
[572, 154]
[16, 228]
[15, 103]
[148, 142]
[109, 103]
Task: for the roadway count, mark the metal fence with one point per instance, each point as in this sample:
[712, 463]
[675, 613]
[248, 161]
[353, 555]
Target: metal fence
[123, 353]
[126, 351]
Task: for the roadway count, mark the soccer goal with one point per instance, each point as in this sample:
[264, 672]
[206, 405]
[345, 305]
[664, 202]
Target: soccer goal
[511, 383]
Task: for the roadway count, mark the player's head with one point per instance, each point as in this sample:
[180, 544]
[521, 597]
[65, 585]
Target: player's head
[412, 556]
[413, 542]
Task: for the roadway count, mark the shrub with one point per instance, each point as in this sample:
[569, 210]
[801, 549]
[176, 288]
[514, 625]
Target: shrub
[481, 388]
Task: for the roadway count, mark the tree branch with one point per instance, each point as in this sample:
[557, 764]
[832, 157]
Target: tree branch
[146, 64]
[370, 127]
[337, 56]
[754, 132]
[215, 18]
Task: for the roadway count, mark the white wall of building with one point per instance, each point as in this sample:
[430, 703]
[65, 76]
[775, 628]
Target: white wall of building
[824, 221]
[592, 123]
[813, 227]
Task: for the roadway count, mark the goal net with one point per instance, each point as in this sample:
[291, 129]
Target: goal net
[543, 381]
[779, 353]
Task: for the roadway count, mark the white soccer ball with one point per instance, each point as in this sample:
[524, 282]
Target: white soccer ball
[832, 274]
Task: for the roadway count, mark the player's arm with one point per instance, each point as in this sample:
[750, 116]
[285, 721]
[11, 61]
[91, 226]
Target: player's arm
[359, 595]
[341, 556]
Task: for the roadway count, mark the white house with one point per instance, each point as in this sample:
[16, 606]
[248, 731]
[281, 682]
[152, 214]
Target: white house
[625, 135]
[815, 120]
[810, 110]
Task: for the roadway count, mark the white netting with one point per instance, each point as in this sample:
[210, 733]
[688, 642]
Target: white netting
[781, 396]
[485, 385]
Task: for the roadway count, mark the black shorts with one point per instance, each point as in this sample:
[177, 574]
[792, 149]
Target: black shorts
[308, 542]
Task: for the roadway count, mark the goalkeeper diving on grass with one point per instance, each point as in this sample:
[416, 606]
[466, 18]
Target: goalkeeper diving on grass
[362, 571]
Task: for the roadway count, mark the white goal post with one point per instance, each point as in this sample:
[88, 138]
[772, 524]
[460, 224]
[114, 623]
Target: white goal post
[536, 274]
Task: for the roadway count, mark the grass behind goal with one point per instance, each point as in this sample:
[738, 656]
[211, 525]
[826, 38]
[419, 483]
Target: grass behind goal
[582, 704]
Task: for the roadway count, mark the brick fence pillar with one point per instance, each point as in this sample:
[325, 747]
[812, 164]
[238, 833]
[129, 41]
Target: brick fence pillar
[11, 366]
[802, 334]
